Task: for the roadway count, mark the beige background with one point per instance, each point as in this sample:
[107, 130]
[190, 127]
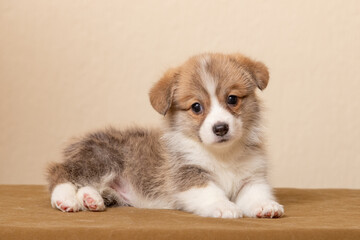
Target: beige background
[67, 67]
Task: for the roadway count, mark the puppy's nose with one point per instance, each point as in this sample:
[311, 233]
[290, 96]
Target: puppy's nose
[220, 129]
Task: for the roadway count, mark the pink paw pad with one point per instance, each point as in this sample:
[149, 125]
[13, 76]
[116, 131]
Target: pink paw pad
[267, 215]
[64, 207]
[89, 202]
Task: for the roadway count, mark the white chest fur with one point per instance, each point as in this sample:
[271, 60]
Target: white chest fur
[230, 171]
[228, 165]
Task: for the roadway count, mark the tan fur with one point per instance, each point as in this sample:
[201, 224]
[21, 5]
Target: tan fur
[235, 75]
[161, 94]
[258, 70]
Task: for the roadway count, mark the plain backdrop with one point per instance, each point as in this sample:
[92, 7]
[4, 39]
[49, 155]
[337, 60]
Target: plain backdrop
[68, 67]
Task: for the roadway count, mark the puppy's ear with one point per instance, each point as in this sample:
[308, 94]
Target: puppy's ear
[161, 94]
[258, 70]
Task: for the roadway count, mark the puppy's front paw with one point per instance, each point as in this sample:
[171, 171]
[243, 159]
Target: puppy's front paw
[221, 209]
[268, 209]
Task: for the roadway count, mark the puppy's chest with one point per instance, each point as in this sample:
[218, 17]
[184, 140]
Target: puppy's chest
[229, 173]
[229, 178]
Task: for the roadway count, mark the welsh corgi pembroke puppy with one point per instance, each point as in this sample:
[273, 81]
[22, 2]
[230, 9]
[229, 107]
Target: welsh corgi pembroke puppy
[208, 158]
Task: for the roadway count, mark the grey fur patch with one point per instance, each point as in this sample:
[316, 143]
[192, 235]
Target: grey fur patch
[191, 175]
[134, 155]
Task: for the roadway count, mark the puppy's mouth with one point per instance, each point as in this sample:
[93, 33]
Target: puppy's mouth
[222, 140]
[218, 141]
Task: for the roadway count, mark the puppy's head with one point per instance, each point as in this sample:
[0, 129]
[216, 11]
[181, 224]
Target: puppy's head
[211, 97]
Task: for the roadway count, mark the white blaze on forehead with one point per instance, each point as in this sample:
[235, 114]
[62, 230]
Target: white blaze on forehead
[217, 113]
[205, 76]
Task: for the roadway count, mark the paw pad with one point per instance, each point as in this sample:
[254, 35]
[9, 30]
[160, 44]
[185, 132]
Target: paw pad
[272, 210]
[63, 207]
[90, 203]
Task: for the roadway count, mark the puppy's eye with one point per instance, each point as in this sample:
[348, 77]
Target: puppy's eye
[232, 100]
[197, 108]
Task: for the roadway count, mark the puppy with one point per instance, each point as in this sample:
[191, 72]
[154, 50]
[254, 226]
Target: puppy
[208, 158]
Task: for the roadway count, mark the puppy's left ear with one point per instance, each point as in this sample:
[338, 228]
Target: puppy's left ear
[257, 70]
[161, 94]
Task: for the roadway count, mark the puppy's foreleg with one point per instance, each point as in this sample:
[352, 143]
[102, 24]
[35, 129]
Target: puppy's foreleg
[208, 201]
[257, 200]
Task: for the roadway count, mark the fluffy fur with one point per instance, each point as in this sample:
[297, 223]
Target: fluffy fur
[208, 159]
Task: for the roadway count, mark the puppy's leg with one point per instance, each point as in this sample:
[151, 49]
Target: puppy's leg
[257, 200]
[90, 199]
[64, 198]
[94, 160]
[208, 201]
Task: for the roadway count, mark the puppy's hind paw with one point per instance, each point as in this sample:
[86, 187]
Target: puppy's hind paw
[63, 198]
[67, 206]
[91, 199]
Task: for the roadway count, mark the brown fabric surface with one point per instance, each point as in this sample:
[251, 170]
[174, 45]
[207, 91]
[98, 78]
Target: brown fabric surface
[25, 213]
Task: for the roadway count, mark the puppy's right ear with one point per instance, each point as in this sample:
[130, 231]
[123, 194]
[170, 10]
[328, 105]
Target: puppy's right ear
[161, 94]
[257, 70]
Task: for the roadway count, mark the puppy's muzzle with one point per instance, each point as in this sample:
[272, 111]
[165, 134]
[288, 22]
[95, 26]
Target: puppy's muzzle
[220, 129]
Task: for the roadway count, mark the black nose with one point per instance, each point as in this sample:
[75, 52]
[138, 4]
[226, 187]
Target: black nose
[220, 129]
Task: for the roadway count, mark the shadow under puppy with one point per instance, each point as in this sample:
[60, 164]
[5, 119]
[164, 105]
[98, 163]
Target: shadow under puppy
[209, 159]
